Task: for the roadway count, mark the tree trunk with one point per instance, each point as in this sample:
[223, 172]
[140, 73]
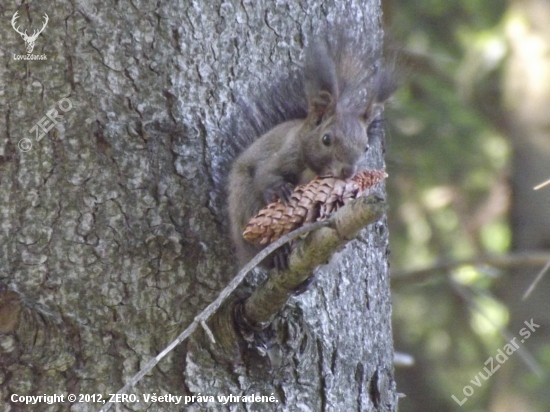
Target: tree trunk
[110, 235]
[527, 94]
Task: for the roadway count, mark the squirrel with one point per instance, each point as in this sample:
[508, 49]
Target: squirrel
[313, 121]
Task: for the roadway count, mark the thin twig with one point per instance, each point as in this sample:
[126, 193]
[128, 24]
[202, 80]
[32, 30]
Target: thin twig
[466, 295]
[208, 332]
[531, 287]
[402, 360]
[210, 309]
[541, 185]
[531, 258]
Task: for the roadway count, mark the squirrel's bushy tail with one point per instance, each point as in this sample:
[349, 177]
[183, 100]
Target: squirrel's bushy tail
[284, 99]
[271, 103]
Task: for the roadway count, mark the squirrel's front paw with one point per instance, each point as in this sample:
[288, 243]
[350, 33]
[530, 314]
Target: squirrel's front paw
[281, 191]
[280, 257]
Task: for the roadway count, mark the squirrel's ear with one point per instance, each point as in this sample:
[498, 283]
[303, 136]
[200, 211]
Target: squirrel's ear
[320, 77]
[386, 84]
[387, 78]
[320, 105]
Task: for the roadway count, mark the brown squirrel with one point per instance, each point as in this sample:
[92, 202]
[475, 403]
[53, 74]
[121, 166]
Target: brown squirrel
[313, 122]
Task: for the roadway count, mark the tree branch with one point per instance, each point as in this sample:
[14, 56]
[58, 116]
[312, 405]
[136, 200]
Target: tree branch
[530, 258]
[263, 305]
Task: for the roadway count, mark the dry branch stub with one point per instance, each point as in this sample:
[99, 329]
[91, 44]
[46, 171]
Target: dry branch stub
[312, 202]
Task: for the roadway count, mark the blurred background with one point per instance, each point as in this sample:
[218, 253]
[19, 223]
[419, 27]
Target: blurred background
[468, 140]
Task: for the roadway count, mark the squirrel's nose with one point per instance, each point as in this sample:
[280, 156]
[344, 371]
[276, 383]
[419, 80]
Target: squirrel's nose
[347, 171]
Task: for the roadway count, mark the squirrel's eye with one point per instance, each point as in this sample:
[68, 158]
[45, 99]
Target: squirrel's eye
[367, 148]
[326, 139]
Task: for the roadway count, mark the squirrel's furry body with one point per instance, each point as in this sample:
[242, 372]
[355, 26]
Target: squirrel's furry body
[270, 160]
[322, 115]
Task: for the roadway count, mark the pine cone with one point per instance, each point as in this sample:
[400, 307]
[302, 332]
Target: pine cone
[308, 203]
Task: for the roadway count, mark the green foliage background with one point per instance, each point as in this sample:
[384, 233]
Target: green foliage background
[448, 164]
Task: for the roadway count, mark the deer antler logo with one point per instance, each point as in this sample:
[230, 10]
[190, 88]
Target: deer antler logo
[29, 40]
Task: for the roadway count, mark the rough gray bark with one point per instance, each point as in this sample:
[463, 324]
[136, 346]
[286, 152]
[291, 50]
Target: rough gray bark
[109, 234]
